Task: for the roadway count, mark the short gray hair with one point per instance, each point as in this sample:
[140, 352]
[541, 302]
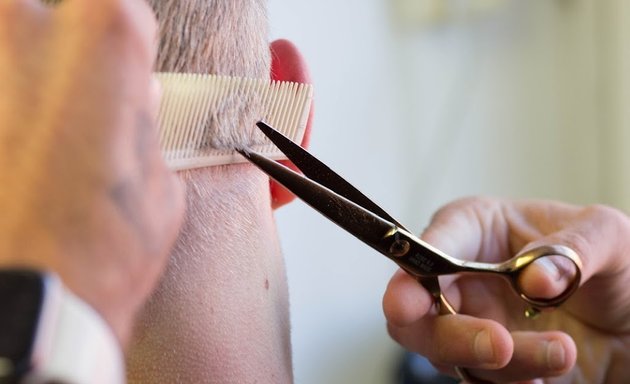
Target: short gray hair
[222, 37]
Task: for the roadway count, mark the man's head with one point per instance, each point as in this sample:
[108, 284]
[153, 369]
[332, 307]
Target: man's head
[228, 38]
[221, 311]
[213, 36]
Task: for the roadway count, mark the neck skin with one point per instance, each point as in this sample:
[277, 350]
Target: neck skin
[220, 313]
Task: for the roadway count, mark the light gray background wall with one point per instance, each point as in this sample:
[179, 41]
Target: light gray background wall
[510, 98]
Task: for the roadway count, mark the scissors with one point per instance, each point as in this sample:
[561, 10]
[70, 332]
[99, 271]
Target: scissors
[339, 201]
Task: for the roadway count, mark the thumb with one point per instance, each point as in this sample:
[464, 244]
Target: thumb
[547, 275]
[600, 237]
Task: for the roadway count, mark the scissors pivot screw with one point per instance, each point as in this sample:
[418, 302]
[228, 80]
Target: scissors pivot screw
[399, 248]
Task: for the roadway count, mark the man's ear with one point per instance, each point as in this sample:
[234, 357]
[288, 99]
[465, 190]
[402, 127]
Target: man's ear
[288, 65]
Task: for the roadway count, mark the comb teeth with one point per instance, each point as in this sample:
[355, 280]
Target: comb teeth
[189, 101]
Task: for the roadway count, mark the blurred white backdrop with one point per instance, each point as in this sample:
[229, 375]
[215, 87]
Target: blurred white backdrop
[442, 100]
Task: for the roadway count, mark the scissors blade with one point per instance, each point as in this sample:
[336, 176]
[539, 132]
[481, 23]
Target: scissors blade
[344, 194]
[360, 222]
[321, 173]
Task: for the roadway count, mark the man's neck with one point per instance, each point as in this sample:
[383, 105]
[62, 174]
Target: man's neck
[221, 312]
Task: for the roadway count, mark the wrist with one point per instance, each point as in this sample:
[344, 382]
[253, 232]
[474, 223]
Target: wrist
[112, 305]
[50, 335]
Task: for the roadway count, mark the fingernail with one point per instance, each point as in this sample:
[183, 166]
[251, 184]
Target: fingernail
[550, 267]
[483, 347]
[555, 356]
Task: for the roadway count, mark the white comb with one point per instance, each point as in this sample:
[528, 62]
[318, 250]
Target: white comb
[189, 101]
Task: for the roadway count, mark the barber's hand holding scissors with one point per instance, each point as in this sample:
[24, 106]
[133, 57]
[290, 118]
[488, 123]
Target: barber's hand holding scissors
[83, 188]
[587, 339]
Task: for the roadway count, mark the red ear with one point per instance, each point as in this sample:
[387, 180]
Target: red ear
[288, 65]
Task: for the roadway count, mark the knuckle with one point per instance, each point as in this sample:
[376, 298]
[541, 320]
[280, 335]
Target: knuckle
[471, 205]
[447, 211]
[598, 234]
[474, 210]
[476, 200]
[606, 214]
[609, 219]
